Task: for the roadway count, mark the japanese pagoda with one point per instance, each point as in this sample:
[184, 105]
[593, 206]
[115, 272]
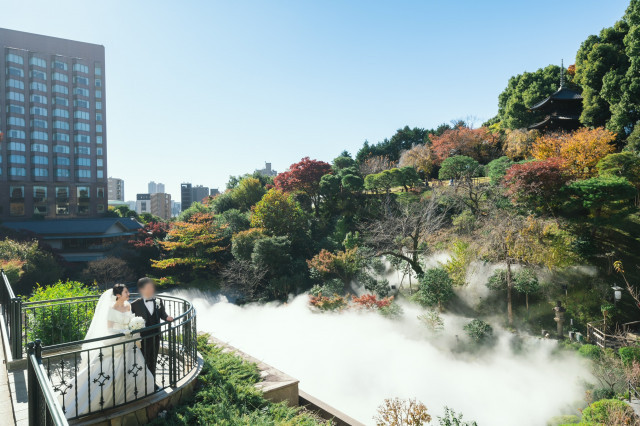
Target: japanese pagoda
[561, 110]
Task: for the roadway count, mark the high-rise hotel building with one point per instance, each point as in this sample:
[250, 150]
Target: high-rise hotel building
[53, 154]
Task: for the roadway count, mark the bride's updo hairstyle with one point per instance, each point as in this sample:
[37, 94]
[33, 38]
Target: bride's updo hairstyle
[118, 289]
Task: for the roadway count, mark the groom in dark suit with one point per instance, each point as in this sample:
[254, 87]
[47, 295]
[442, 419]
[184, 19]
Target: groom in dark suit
[152, 310]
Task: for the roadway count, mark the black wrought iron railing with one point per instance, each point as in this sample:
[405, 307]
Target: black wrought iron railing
[70, 378]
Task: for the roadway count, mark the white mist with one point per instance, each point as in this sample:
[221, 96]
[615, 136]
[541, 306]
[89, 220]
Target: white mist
[354, 360]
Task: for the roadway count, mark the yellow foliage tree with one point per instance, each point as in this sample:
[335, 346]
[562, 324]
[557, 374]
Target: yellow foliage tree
[579, 151]
[419, 157]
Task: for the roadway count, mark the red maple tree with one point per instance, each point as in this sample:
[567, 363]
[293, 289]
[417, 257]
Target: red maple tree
[479, 144]
[304, 176]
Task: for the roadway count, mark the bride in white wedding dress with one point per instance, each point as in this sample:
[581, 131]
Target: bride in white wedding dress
[108, 375]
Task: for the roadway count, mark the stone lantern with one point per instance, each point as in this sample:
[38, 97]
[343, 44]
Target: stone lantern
[559, 318]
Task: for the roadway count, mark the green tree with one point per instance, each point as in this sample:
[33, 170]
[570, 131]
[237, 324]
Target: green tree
[248, 192]
[479, 331]
[459, 167]
[435, 288]
[279, 214]
[526, 282]
[274, 254]
[407, 177]
[497, 168]
[522, 92]
[624, 164]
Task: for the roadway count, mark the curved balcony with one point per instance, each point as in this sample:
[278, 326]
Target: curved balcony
[45, 337]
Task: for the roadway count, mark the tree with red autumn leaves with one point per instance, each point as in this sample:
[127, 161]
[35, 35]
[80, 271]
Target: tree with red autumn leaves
[304, 176]
[536, 184]
[479, 144]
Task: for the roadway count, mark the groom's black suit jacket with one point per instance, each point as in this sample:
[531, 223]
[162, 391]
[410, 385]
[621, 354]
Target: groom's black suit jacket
[151, 344]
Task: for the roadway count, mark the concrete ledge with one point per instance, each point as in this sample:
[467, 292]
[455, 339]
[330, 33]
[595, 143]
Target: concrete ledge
[275, 385]
[326, 411]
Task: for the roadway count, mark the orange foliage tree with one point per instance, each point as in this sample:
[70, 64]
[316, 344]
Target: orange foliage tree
[344, 265]
[479, 144]
[579, 151]
[192, 248]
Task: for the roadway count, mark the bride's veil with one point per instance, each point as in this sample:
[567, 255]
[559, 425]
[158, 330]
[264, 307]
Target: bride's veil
[99, 324]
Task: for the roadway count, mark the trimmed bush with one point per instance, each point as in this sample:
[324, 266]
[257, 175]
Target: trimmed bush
[592, 352]
[563, 420]
[629, 354]
[606, 411]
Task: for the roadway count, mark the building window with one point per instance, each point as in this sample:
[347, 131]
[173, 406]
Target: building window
[60, 77]
[83, 150]
[38, 62]
[61, 149]
[100, 174]
[98, 139]
[36, 85]
[81, 103]
[98, 82]
[83, 173]
[60, 101]
[16, 121]
[61, 161]
[16, 134]
[61, 137]
[81, 80]
[99, 116]
[100, 192]
[62, 173]
[16, 109]
[62, 125]
[39, 99]
[16, 59]
[42, 136]
[39, 147]
[41, 124]
[16, 201]
[82, 139]
[83, 162]
[86, 127]
[40, 172]
[38, 74]
[15, 96]
[59, 88]
[40, 160]
[97, 69]
[62, 200]
[16, 84]
[38, 111]
[58, 112]
[98, 105]
[18, 72]
[17, 171]
[59, 65]
[17, 159]
[81, 91]
[99, 128]
[16, 146]
[81, 68]
[100, 208]
[98, 94]
[99, 162]
[98, 151]
[40, 200]
[81, 114]
[83, 199]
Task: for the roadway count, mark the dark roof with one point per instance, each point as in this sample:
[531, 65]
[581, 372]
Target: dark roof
[563, 93]
[565, 118]
[75, 226]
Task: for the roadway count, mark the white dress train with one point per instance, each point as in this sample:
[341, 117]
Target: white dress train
[112, 376]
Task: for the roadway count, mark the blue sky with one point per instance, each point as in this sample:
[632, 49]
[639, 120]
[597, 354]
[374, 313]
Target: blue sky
[200, 90]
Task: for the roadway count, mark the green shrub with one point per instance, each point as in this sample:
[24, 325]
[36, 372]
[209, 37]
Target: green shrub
[59, 323]
[435, 288]
[479, 331]
[592, 352]
[38, 266]
[227, 395]
[602, 393]
[563, 420]
[629, 354]
[606, 410]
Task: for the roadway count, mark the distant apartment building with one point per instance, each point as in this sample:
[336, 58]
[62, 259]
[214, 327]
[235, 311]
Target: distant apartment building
[175, 208]
[161, 205]
[186, 196]
[190, 194]
[53, 119]
[214, 192]
[143, 203]
[267, 171]
[154, 188]
[115, 189]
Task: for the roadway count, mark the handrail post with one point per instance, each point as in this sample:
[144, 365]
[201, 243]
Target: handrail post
[172, 355]
[33, 387]
[16, 327]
